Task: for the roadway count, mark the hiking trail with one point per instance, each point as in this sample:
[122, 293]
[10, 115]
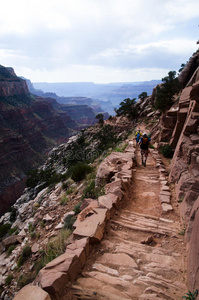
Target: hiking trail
[142, 254]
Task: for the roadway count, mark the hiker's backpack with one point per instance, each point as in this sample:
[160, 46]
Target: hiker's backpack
[145, 140]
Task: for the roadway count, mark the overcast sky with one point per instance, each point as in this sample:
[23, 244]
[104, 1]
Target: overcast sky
[97, 40]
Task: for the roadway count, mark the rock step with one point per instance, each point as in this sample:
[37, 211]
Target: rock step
[138, 259]
[134, 222]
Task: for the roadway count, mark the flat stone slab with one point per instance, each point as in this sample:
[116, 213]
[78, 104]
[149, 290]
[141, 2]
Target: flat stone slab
[108, 200]
[165, 199]
[91, 223]
[165, 193]
[30, 292]
[164, 182]
[165, 188]
[118, 259]
[113, 186]
[166, 207]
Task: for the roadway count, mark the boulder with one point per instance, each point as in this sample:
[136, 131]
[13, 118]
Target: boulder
[11, 240]
[108, 201]
[91, 223]
[110, 166]
[166, 207]
[31, 292]
[56, 275]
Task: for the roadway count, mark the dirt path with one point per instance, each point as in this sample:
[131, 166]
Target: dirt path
[142, 254]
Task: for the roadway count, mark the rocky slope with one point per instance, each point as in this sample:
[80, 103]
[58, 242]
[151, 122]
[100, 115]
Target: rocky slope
[33, 213]
[29, 128]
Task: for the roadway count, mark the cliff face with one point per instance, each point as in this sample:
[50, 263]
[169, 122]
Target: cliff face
[83, 114]
[29, 127]
[180, 128]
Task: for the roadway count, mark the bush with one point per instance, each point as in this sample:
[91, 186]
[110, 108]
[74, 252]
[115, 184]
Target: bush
[64, 200]
[10, 249]
[8, 279]
[4, 229]
[55, 247]
[24, 279]
[127, 108]
[106, 138]
[165, 93]
[24, 256]
[77, 209]
[167, 151]
[70, 220]
[79, 171]
[13, 214]
[13, 230]
[91, 191]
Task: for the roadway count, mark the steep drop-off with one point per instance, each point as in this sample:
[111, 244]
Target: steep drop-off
[29, 127]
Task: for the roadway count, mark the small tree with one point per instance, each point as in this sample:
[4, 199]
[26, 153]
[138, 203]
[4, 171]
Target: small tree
[181, 68]
[142, 96]
[100, 118]
[165, 92]
[127, 108]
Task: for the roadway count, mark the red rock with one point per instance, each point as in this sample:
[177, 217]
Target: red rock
[91, 224]
[11, 240]
[108, 201]
[31, 292]
[193, 262]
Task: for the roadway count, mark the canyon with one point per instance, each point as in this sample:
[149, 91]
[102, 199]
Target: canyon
[134, 230]
[30, 126]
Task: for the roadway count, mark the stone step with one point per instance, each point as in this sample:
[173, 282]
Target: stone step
[146, 226]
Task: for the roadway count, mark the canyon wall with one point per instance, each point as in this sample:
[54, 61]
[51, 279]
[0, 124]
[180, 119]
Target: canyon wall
[29, 128]
[180, 128]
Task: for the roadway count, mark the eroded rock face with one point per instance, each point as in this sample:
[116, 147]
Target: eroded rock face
[185, 172]
[29, 126]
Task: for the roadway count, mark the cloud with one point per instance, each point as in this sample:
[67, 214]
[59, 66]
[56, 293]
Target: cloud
[46, 37]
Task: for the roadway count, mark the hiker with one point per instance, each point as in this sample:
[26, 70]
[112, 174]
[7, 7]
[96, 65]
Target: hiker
[144, 147]
[138, 136]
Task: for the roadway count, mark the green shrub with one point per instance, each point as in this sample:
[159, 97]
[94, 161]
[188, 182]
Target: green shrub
[64, 185]
[63, 200]
[79, 171]
[77, 209]
[151, 146]
[56, 246]
[4, 229]
[25, 279]
[127, 108]
[69, 191]
[70, 220]
[32, 234]
[165, 93]
[10, 249]
[91, 191]
[8, 279]
[167, 151]
[13, 214]
[13, 230]
[190, 295]
[24, 256]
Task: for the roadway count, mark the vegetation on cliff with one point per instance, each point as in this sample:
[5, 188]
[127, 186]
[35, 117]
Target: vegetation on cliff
[166, 91]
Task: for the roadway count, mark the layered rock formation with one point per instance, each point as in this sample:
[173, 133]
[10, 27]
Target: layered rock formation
[29, 127]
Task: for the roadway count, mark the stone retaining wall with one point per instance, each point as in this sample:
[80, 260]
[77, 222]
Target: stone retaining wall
[89, 228]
